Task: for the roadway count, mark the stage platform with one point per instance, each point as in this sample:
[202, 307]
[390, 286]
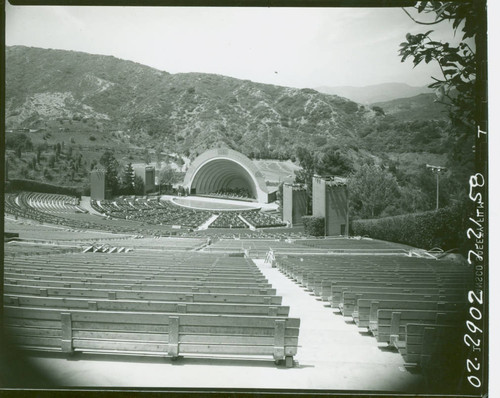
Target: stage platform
[218, 204]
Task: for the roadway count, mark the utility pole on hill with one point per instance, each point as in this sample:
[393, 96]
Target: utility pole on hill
[437, 170]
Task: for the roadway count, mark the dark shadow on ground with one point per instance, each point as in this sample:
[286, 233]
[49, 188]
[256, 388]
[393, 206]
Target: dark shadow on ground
[178, 361]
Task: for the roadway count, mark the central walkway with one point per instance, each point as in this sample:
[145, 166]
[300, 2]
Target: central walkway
[333, 355]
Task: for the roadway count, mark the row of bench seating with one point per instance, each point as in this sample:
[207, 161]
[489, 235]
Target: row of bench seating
[410, 304]
[170, 305]
[157, 211]
[54, 203]
[18, 206]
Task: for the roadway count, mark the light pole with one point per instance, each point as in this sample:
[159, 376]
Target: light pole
[437, 170]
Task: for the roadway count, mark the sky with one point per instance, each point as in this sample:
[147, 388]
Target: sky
[293, 47]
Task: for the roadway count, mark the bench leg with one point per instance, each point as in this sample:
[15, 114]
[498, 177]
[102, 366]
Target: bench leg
[289, 361]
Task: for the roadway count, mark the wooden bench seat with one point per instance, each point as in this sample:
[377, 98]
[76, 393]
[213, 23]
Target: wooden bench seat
[361, 302]
[172, 286]
[145, 305]
[118, 274]
[333, 267]
[153, 333]
[422, 304]
[125, 261]
[152, 285]
[337, 292]
[424, 341]
[390, 325]
[214, 294]
[103, 270]
[351, 307]
[98, 277]
[312, 278]
[243, 272]
[438, 350]
[324, 288]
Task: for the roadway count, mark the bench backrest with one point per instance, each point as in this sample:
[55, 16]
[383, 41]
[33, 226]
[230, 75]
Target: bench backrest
[190, 294]
[146, 305]
[391, 323]
[166, 334]
[337, 297]
[422, 341]
[433, 305]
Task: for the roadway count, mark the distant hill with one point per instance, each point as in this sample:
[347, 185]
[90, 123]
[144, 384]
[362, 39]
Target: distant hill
[93, 102]
[419, 107]
[375, 93]
[189, 112]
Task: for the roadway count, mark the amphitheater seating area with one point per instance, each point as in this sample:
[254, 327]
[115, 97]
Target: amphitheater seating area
[165, 212]
[261, 220]
[173, 305]
[127, 214]
[228, 220]
[152, 212]
[414, 305]
[190, 297]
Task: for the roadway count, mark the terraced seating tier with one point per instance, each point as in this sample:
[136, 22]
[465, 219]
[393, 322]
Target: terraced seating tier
[145, 306]
[170, 305]
[164, 334]
[397, 299]
[367, 304]
[228, 220]
[391, 323]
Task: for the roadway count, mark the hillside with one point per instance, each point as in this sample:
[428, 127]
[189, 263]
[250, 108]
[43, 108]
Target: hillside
[419, 107]
[72, 106]
[375, 93]
[122, 101]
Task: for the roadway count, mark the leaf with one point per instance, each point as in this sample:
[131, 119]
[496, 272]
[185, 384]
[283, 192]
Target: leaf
[421, 6]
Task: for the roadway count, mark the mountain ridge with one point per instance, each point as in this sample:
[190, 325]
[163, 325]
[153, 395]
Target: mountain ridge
[190, 111]
[374, 93]
[103, 100]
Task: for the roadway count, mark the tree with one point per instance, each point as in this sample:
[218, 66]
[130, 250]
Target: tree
[21, 140]
[128, 180]
[458, 64]
[158, 152]
[57, 150]
[306, 173]
[52, 161]
[111, 166]
[38, 153]
[138, 185]
[378, 110]
[167, 177]
[331, 161]
[147, 156]
[371, 191]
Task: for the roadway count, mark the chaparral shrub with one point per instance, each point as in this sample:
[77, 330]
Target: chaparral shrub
[314, 226]
[36, 186]
[444, 228]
